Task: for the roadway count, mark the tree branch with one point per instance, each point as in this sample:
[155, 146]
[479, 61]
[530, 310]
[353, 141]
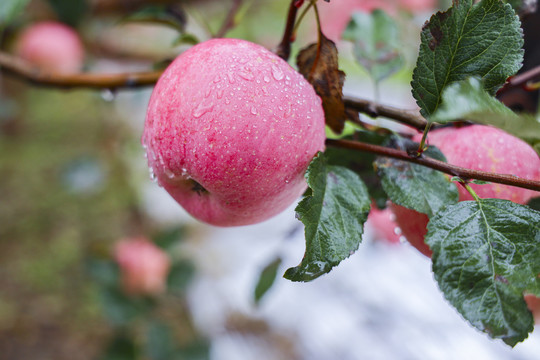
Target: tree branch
[372, 109]
[229, 22]
[463, 173]
[284, 48]
[521, 80]
[33, 74]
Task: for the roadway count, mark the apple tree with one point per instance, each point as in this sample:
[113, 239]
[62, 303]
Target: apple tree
[228, 142]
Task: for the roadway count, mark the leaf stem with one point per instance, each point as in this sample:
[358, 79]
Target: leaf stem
[452, 170]
[467, 187]
[422, 147]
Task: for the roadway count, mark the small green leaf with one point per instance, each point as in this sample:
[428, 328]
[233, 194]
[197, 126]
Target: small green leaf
[415, 186]
[361, 163]
[159, 341]
[187, 39]
[10, 9]
[180, 276]
[483, 39]
[534, 203]
[266, 279]
[333, 215]
[172, 16]
[168, 238]
[70, 12]
[376, 43]
[121, 347]
[486, 254]
[467, 100]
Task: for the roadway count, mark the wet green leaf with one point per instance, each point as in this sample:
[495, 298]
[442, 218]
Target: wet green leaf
[486, 254]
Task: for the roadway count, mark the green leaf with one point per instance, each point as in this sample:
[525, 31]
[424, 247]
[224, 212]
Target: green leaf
[70, 12]
[467, 100]
[10, 9]
[376, 43]
[121, 309]
[159, 341]
[534, 203]
[333, 215]
[485, 255]
[121, 347]
[266, 279]
[187, 39]
[168, 238]
[361, 163]
[180, 276]
[483, 40]
[171, 16]
[415, 186]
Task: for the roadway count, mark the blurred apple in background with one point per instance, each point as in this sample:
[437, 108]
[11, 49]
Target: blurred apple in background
[143, 266]
[52, 46]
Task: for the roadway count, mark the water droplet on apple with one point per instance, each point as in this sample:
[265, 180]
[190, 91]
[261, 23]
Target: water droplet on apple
[153, 176]
[277, 73]
[220, 93]
[266, 79]
[230, 76]
[397, 230]
[208, 91]
[217, 78]
[246, 74]
[202, 109]
[254, 110]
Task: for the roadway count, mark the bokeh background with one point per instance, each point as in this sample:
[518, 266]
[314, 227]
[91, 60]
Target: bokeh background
[74, 182]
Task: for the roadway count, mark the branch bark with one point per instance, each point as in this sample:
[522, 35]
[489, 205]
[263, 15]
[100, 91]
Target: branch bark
[22, 69]
[463, 173]
[372, 109]
[284, 48]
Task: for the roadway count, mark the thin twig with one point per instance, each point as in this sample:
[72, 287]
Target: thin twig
[463, 173]
[22, 69]
[229, 21]
[521, 79]
[284, 48]
[408, 117]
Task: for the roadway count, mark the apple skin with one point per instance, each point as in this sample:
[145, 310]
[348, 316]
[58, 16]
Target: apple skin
[476, 147]
[143, 266]
[383, 223]
[230, 130]
[52, 46]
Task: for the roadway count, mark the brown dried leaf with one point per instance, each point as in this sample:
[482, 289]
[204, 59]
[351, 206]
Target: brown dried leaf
[319, 64]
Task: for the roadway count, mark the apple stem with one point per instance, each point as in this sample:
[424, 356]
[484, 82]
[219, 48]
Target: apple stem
[301, 17]
[463, 173]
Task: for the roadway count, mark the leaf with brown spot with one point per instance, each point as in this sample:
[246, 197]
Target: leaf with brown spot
[319, 64]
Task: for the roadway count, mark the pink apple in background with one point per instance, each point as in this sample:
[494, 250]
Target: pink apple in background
[143, 266]
[384, 225]
[476, 147]
[533, 303]
[230, 130]
[52, 46]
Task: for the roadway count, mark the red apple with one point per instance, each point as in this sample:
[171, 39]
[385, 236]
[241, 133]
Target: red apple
[476, 147]
[230, 131]
[143, 266]
[52, 46]
[384, 224]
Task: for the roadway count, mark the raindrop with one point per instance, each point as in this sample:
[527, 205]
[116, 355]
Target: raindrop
[220, 94]
[277, 73]
[217, 78]
[108, 95]
[202, 109]
[246, 74]
[397, 230]
[208, 91]
[230, 77]
[266, 79]
[254, 110]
